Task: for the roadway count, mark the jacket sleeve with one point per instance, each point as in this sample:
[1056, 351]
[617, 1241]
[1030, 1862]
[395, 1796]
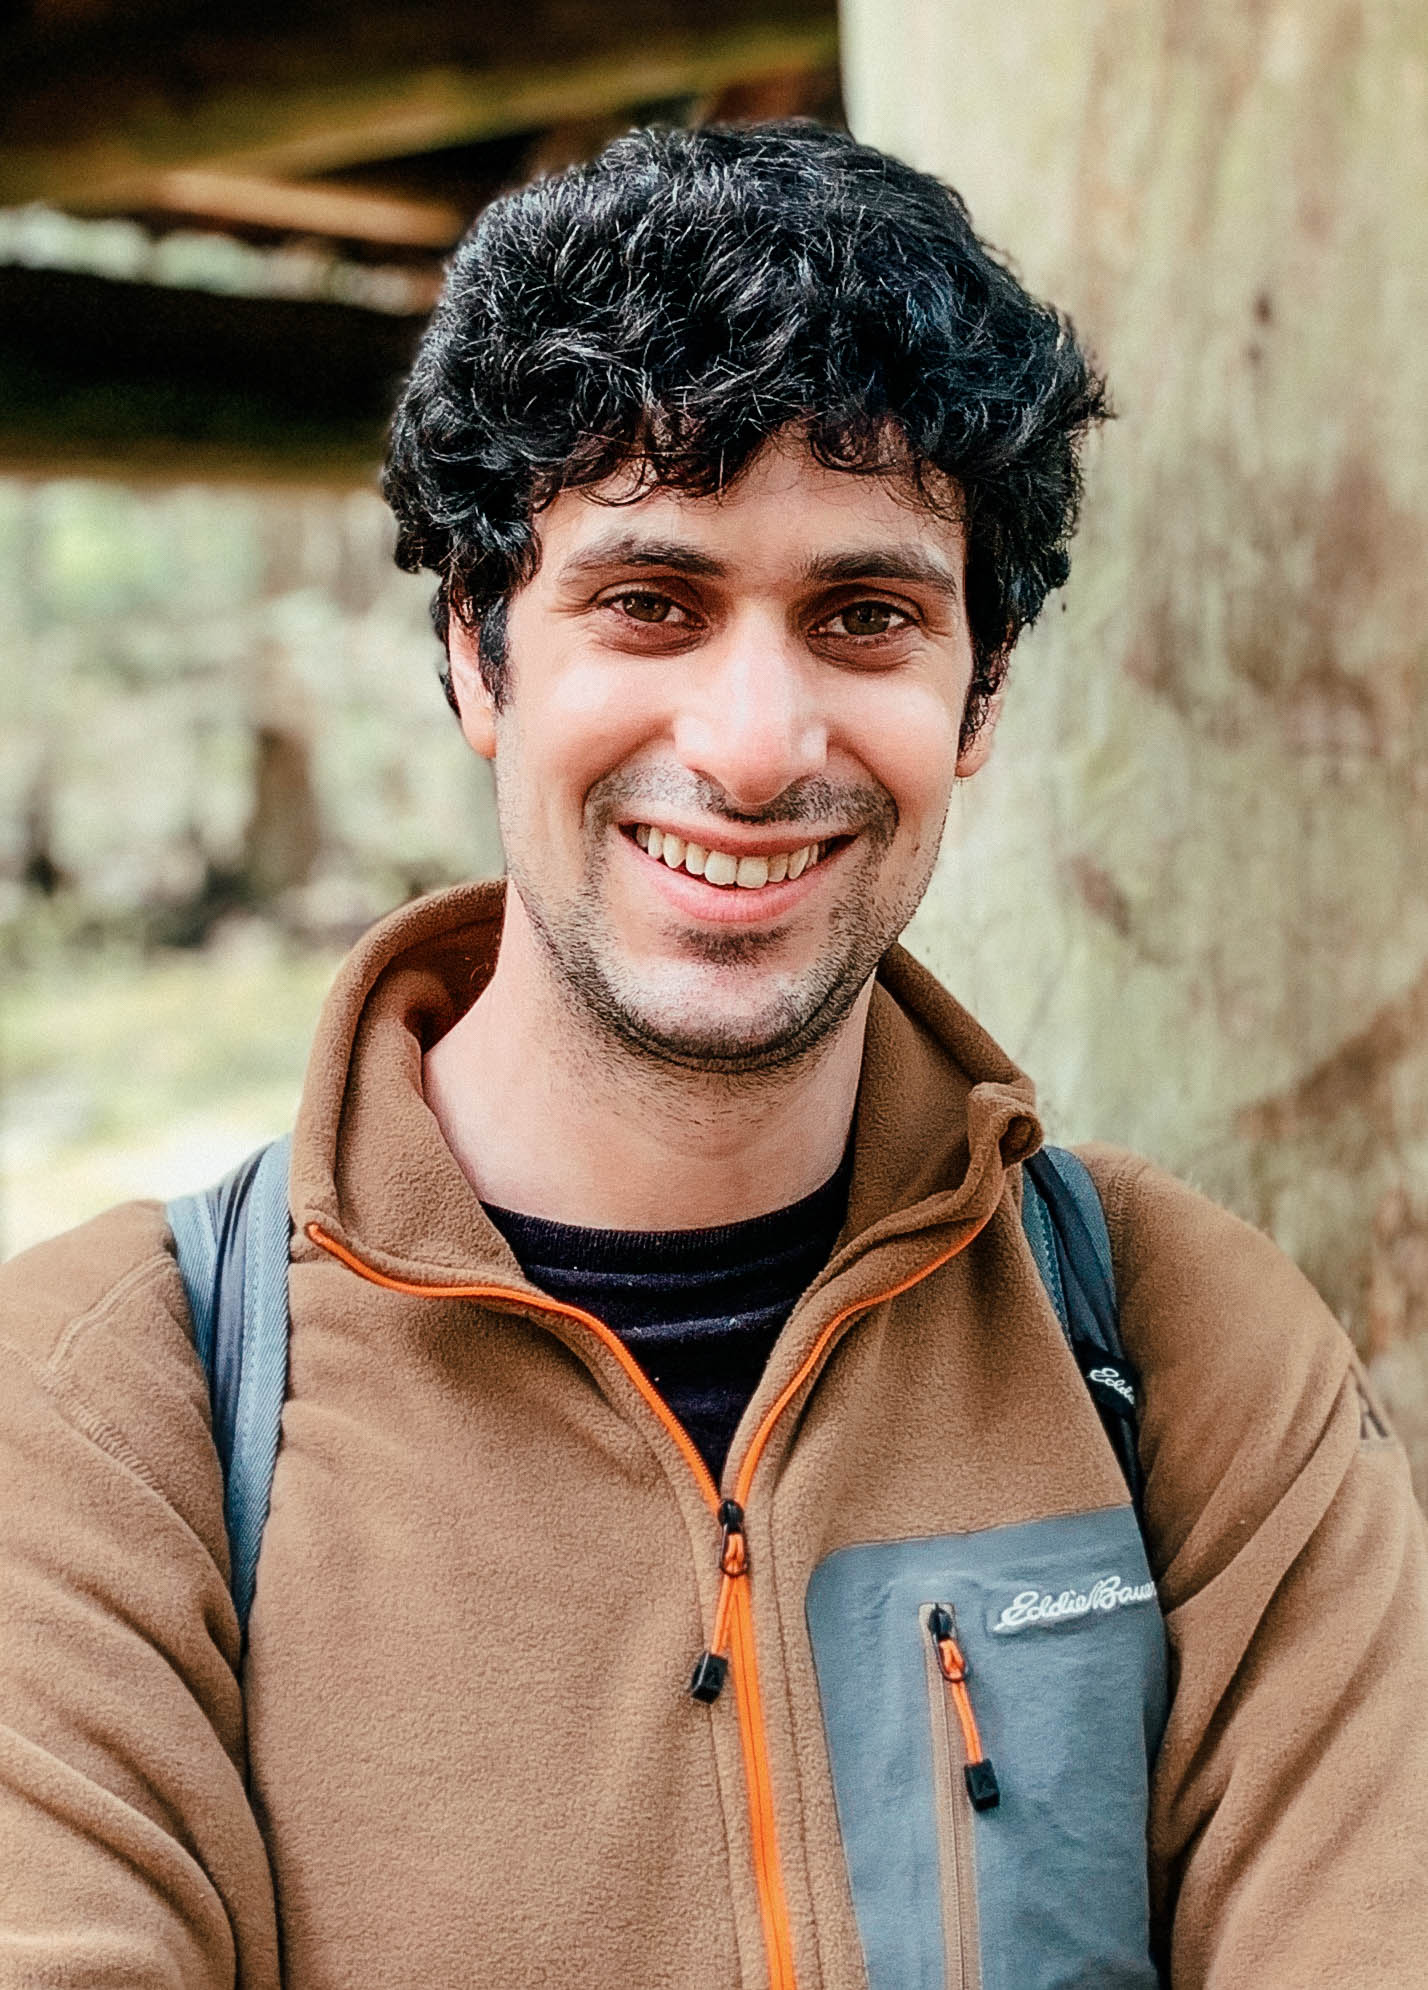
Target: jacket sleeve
[129, 1855]
[1289, 1823]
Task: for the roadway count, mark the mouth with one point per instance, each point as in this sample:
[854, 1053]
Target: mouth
[731, 870]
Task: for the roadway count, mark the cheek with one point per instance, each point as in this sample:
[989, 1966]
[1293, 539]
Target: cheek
[583, 723]
[908, 742]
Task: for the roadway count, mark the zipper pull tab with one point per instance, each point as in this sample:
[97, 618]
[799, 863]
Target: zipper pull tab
[978, 1773]
[707, 1682]
[943, 1627]
[734, 1551]
[712, 1668]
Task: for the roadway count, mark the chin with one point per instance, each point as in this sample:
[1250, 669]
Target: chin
[724, 1001]
[703, 1028]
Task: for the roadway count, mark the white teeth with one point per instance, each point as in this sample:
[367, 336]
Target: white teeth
[720, 867]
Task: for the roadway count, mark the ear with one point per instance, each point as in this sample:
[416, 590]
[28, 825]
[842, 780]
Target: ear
[473, 701]
[973, 757]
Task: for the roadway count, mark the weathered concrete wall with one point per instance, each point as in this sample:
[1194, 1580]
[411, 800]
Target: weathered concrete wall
[1191, 893]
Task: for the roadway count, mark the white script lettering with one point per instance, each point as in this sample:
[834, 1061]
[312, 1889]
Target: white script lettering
[1035, 1606]
[1113, 1379]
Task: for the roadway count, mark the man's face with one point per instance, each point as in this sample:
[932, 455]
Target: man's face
[724, 753]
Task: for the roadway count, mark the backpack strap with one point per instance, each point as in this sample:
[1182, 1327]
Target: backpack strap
[232, 1243]
[1066, 1228]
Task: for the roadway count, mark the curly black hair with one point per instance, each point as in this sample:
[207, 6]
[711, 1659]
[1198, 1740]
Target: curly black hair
[691, 293]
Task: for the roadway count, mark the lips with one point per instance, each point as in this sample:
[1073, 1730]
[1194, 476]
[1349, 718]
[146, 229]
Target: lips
[725, 869]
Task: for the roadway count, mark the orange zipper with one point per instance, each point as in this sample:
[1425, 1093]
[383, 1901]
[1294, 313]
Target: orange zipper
[977, 1771]
[732, 1643]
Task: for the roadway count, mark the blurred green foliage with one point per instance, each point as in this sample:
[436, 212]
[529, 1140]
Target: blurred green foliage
[196, 679]
[225, 752]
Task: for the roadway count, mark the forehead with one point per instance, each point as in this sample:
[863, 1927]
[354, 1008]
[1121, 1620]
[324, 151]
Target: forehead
[786, 515]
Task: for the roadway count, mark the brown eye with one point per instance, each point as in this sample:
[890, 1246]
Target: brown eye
[867, 618]
[645, 607]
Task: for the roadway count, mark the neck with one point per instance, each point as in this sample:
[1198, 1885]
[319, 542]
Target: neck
[551, 1117]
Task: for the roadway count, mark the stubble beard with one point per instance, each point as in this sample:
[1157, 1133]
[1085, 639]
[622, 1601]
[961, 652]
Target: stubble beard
[803, 1010]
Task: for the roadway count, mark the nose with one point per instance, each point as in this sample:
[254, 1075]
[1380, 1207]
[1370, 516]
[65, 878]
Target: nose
[751, 723]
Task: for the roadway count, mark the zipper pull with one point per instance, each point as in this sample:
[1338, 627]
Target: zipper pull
[734, 1549]
[712, 1667]
[977, 1772]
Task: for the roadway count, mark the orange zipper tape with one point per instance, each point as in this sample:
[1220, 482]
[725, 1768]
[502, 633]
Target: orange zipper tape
[733, 1620]
[606, 1335]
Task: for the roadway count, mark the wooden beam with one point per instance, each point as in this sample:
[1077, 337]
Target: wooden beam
[335, 460]
[137, 380]
[307, 128]
[294, 206]
[787, 93]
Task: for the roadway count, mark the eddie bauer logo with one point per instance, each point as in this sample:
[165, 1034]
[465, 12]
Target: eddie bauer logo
[1112, 1378]
[1034, 1606]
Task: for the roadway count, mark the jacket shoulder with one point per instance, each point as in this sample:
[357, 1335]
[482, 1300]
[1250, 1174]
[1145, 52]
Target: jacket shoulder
[129, 1848]
[59, 1286]
[94, 1328]
[1249, 1381]
[1199, 1284]
[1288, 1822]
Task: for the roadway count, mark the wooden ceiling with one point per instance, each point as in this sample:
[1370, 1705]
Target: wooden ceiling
[369, 135]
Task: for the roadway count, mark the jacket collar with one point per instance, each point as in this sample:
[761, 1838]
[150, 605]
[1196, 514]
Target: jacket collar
[941, 1112]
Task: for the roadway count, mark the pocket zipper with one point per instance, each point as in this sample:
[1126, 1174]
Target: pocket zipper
[977, 1771]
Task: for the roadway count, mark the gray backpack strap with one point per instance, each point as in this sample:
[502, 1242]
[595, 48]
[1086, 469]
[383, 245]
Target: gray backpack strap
[1041, 1235]
[233, 1245]
[1066, 1228]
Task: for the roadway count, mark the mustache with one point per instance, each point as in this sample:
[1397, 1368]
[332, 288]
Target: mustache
[838, 806]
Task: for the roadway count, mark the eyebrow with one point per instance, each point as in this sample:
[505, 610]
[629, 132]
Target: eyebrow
[908, 563]
[912, 564]
[630, 549]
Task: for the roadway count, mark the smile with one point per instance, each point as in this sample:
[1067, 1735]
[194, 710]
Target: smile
[723, 867]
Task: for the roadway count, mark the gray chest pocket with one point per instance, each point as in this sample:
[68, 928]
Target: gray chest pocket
[1029, 1873]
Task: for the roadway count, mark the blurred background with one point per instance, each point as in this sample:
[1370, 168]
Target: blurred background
[1190, 893]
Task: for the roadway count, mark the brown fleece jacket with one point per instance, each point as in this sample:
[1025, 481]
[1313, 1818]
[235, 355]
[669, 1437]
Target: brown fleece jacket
[463, 1725]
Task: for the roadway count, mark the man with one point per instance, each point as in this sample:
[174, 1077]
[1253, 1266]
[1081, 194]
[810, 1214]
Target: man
[660, 1300]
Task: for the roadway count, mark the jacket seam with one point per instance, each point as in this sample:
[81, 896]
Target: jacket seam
[102, 1308]
[74, 1410]
[55, 1379]
[796, 1755]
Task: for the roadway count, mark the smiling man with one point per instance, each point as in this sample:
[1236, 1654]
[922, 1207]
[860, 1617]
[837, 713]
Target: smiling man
[725, 738]
[701, 1550]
